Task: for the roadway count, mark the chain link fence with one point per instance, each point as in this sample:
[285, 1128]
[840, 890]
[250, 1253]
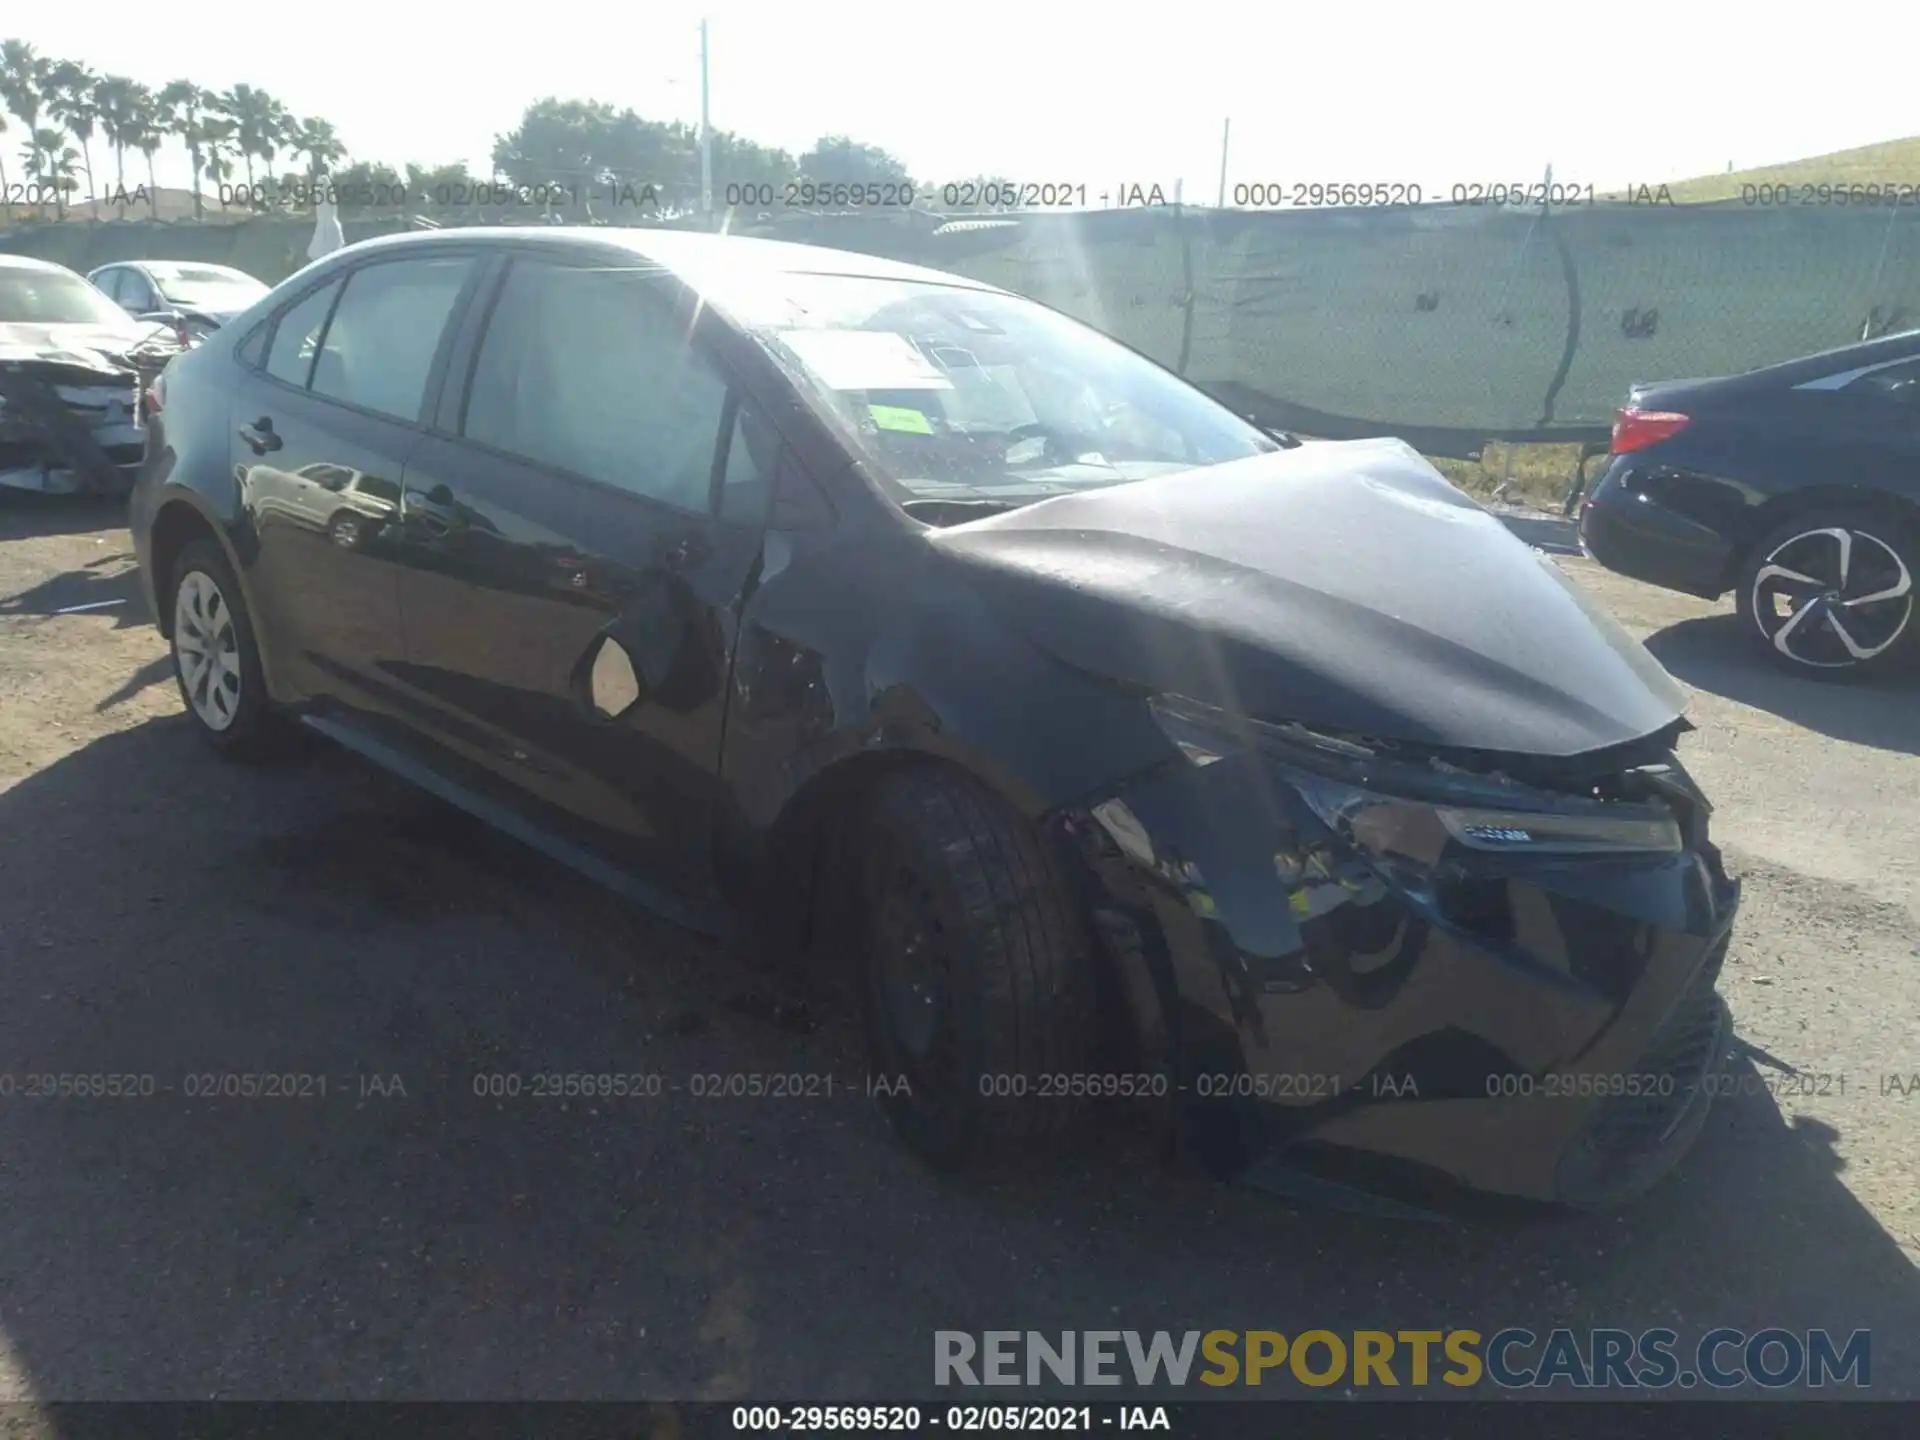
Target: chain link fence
[1449, 326]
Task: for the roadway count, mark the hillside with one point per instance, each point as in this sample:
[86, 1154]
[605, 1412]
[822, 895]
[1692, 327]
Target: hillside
[1891, 162]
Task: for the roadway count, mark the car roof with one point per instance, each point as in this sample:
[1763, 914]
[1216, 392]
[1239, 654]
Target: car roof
[150, 264]
[1897, 346]
[29, 262]
[686, 253]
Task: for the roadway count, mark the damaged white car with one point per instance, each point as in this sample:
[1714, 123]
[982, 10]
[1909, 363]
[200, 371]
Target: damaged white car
[74, 371]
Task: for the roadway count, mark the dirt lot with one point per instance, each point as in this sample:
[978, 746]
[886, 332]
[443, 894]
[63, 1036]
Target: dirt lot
[162, 914]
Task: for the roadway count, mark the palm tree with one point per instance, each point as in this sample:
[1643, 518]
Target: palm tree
[183, 107]
[315, 140]
[146, 130]
[275, 133]
[70, 100]
[23, 76]
[256, 120]
[219, 137]
[114, 96]
[50, 160]
[6, 198]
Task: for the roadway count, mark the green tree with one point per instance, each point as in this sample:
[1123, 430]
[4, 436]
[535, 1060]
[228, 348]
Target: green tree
[51, 161]
[363, 182]
[259, 123]
[71, 99]
[219, 143]
[315, 140]
[146, 132]
[446, 189]
[114, 96]
[554, 142]
[837, 160]
[742, 162]
[23, 77]
[185, 107]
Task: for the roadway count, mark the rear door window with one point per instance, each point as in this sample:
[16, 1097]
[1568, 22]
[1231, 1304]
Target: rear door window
[296, 339]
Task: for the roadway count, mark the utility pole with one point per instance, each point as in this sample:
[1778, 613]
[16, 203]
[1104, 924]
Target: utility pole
[1226, 134]
[706, 130]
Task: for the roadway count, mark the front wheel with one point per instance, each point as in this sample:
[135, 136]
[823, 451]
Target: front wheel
[978, 970]
[216, 659]
[1831, 595]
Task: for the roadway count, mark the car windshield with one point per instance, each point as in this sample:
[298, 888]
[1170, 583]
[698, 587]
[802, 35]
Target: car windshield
[953, 393]
[206, 286]
[54, 297]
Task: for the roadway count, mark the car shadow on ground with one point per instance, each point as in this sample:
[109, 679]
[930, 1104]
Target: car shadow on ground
[110, 584]
[25, 515]
[1716, 654]
[332, 1171]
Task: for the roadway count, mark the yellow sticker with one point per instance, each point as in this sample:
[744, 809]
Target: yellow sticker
[899, 417]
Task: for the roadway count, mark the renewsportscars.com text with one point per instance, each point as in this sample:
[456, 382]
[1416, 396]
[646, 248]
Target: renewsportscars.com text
[1509, 1359]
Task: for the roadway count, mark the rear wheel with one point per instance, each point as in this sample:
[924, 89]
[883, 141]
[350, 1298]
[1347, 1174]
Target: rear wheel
[215, 657]
[978, 970]
[344, 530]
[1832, 596]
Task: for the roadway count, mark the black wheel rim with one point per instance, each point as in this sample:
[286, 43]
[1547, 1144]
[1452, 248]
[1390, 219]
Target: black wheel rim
[1833, 597]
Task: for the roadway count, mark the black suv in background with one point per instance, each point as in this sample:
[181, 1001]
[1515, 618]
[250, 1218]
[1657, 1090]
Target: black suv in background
[955, 641]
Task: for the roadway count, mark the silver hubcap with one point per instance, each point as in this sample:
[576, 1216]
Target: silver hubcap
[207, 650]
[1832, 598]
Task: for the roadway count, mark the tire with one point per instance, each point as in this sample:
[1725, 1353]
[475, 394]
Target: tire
[228, 698]
[1831, 594]
[977, 970]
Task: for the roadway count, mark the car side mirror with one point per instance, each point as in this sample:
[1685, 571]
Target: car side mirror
[1288, 440]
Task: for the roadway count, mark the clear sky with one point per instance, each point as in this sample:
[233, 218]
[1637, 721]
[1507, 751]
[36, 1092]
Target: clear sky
[1115, 94]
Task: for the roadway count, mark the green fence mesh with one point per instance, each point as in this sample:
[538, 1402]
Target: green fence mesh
[1448, 325]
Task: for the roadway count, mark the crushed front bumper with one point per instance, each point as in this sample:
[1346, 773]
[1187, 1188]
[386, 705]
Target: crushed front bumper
[70, 428]
[1546, 1032]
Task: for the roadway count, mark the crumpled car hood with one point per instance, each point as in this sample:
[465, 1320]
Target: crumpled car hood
[87, 347]
[1343, 585]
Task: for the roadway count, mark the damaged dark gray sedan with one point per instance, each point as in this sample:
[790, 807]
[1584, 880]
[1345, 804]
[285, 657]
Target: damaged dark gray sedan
[1278, 796]
[73, 366]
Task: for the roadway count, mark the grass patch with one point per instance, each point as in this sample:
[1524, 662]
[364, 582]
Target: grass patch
[1891, 162]
[1539, 478]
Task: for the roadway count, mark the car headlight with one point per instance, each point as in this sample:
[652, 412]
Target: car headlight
[1397, 809]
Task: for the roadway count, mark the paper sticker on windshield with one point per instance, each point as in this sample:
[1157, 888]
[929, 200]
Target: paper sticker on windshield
[864, 360]
[899, 417]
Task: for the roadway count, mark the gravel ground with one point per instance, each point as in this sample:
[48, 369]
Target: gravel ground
[163, 914]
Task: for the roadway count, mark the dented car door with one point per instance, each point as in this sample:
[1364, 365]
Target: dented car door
[571, 572]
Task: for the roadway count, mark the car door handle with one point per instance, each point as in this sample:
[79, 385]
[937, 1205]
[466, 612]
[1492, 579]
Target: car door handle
[685, 551]
[259, 435]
